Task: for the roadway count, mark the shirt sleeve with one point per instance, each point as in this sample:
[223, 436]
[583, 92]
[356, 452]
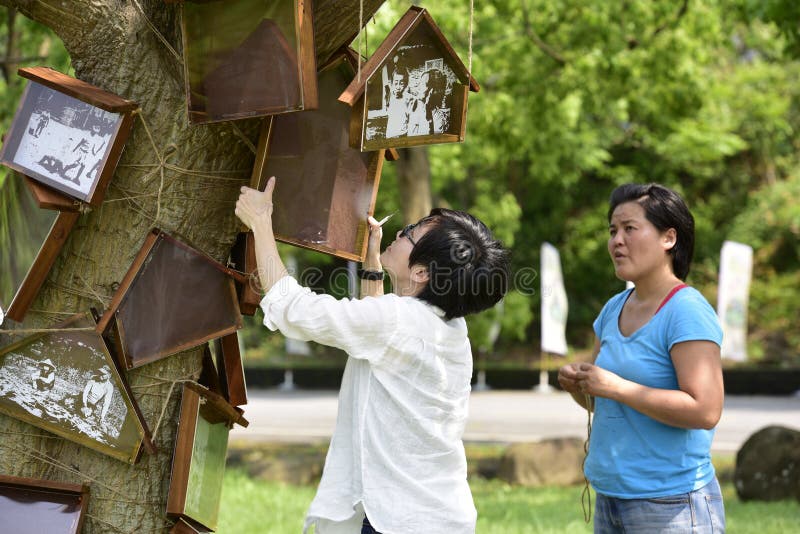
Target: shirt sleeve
[693, 320]
[362, 328]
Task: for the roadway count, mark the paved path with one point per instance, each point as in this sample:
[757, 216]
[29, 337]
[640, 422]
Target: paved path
[495, 416]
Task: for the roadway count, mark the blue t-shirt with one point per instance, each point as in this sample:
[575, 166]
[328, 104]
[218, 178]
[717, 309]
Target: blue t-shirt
[631, 455]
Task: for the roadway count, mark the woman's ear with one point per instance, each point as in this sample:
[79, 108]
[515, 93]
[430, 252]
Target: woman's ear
[670, 238]
[420, 274]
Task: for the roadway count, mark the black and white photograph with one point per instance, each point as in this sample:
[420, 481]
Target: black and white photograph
[411, 95]
[60, 141]
[66, 382]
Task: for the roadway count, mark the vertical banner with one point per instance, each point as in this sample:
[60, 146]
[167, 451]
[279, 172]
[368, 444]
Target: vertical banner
[554, 302]
[735, 270]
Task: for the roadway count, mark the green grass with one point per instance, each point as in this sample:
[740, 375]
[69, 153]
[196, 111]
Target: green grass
[264, 507]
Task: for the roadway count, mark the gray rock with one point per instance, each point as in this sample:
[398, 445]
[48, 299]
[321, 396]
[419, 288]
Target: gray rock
[768, 465]
[552, 462]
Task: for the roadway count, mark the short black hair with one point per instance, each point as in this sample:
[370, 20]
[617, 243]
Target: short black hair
[665, 209]
[468, 268]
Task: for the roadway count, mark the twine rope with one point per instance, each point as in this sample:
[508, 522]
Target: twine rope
[360, 26]
[158, 33]
[586, 494]
[471, 17]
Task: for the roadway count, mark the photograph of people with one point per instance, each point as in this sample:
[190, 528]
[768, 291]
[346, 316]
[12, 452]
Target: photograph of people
[655, 383]
[44, 376]
[396, 461]
[427, 114]
[99, 388]
[397, 103]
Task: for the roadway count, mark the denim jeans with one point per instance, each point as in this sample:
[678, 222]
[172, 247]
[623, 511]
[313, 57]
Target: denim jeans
[698, 512]
[366, 527]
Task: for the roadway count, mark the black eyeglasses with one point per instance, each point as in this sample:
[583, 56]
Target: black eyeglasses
[406, 232]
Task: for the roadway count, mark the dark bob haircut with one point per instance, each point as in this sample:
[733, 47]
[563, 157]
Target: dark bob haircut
[665, 209]
[468, 267]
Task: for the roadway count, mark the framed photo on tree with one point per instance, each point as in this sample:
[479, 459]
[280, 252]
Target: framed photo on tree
[326, 189]
[32, 506]
[198, 463]
[67, 134]
[35, 239]
[248, 58]
[172, 298]
[412, 90]
[66, 382]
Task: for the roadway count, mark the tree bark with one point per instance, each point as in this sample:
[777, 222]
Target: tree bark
[183, 179]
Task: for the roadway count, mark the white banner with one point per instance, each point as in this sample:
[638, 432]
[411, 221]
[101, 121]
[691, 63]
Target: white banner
[735, 270]
[554, 302]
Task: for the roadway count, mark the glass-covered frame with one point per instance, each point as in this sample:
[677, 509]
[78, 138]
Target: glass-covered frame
[172, 298]
[198, 462]
[66, 381]
[67, 135]
[248, 58]
[37, 240]
[32, 506]
[325, 189]
[412, 91]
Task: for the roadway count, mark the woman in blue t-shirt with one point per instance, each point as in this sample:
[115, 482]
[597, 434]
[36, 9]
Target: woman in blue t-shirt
[655, 383]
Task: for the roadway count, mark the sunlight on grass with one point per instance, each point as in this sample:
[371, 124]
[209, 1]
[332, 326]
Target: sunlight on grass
[265, 507]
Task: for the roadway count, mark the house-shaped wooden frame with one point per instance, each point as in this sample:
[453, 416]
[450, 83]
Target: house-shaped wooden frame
[412, 91]
[39, 236]
[30, 504]
[325, 189]
[198, 463]
[248, 58]
[172, 298]
[67, 135]
[223, 371]
[66, 381]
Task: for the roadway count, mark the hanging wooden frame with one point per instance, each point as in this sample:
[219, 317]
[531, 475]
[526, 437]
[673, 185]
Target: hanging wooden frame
[198, 463]
[412, 91]
[182, 526]
[243, 260]
[248, 58]
[172, 298]
[57, 380]
[67, 135]
[325, 189]
[223, 371]
[37, 242]
[31, 506]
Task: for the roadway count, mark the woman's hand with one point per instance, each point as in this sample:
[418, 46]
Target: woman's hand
[567, 378]
[372, 261]
[254, 206]
[597, 382]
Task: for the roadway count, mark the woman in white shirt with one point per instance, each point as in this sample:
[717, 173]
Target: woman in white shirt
[396, 462]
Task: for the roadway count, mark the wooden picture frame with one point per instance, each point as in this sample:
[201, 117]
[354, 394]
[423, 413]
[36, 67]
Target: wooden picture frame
[198, 463]
[67, 134]
[172, 298]
[243, 260]
[235, 53]
[326, 189]
[36, 245]
[228, 360]
[57, 380]
[412, 91]
[32, 506]
[182, 526]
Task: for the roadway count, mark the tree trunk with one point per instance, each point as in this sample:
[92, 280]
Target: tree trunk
[183, 179]
[414, 178]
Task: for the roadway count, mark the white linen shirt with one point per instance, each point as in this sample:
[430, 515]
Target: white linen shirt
[396, 452]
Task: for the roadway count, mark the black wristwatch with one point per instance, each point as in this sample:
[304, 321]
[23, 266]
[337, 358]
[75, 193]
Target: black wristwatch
[370, 275]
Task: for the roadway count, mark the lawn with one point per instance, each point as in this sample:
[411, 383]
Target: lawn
[265, 507]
